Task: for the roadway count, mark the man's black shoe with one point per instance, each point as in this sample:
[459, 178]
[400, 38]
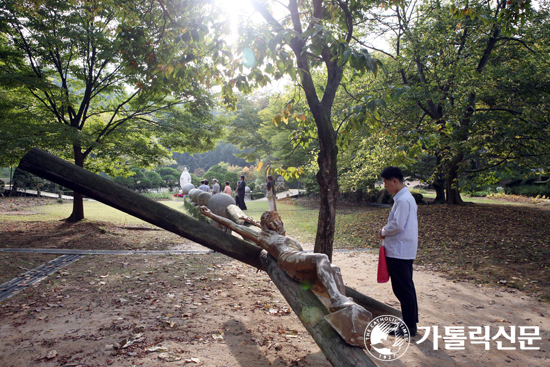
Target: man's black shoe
[396, 332]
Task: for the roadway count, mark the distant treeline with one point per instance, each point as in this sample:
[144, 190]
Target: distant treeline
[224, 152]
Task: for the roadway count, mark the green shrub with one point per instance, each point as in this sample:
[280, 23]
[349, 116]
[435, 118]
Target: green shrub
[194, 210]
[373, 195]
[418, 191]
[387, 198]
[170, 176]
[419, 198]
[478, 194]
[530, 190]
[158, 195]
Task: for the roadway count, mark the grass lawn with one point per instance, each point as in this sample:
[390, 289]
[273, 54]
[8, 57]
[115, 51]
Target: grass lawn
[93, 211]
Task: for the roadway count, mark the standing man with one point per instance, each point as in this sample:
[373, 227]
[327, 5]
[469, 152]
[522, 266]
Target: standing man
[215, 187]
[241, 186]
[400, 237]
[204, 186]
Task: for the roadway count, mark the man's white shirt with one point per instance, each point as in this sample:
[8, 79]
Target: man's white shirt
[401, 232]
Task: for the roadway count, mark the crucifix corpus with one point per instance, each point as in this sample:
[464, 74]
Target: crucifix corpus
[310, 269]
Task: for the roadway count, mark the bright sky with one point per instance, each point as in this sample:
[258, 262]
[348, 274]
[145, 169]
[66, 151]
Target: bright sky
[235, 9]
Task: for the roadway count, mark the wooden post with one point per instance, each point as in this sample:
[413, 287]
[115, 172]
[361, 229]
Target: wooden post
[305, 304]
[377, 308]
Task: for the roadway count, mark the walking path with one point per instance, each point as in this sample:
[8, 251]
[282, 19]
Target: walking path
[34, 276]
[43, 193]
[285, 194]
[280, 195]
[103, 252]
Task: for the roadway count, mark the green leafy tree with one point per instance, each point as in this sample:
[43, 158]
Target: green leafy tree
[312, 35]
[195, 180]
[450, 68]
[111, 81]
[156, 181]
[138, 181]
[276, 145]
[220, 172]
[170, 176]
[224, 152]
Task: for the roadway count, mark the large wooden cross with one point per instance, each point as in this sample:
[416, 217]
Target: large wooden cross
[336, 350]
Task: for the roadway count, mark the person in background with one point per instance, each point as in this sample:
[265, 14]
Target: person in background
[400, 237]
[227, 189]
[241, 185]
[215, 187]
[204, 186]
[270, 193]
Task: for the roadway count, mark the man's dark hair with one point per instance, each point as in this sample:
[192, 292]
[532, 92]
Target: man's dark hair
[392, 172]
[242, 177]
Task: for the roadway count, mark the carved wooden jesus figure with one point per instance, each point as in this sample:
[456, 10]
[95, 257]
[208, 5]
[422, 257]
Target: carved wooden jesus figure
[315, 270]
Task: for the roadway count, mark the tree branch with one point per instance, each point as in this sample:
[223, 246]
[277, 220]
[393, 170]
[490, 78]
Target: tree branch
[373, 48]
[518, 40]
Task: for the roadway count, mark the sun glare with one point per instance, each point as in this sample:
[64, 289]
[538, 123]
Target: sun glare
[234, 10]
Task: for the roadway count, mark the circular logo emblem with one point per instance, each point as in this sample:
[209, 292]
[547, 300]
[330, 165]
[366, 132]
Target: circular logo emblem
[387, 338]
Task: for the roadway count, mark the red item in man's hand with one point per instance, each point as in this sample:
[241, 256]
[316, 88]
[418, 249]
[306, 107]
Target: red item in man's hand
[383, 274]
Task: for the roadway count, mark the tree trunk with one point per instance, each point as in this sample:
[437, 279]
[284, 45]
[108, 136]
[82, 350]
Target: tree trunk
[451, 187]
[78, 199]
[439, 192]
[439, 183]
[327, 178]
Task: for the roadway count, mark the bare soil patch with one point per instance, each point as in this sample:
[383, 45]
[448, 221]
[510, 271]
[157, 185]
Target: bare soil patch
[209, 310]
[137, 310]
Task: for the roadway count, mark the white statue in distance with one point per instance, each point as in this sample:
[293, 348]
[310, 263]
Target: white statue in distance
[185, 177]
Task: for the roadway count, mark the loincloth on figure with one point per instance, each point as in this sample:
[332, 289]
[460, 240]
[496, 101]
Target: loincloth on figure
[301, 267]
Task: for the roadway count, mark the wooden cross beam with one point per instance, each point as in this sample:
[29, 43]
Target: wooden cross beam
[66, 174]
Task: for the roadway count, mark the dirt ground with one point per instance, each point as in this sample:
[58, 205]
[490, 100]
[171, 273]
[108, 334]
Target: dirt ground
[208, 310]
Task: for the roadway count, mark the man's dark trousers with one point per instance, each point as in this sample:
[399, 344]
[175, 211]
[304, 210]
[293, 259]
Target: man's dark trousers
[401, 274]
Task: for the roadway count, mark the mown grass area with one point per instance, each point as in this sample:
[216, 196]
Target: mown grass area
[93, 211]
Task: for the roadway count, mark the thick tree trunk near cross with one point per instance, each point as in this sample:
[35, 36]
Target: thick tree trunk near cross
[319, 103]
[327, 178]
